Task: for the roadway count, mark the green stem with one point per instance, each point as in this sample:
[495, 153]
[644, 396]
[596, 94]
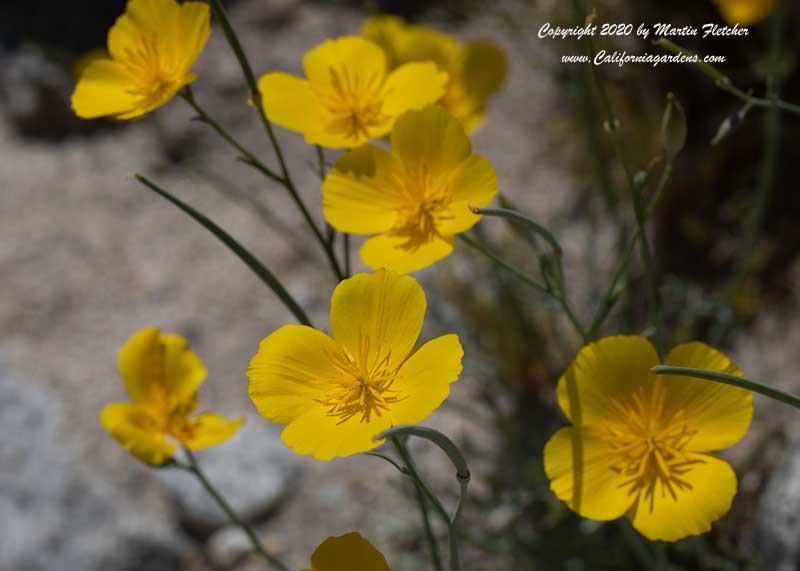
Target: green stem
[346, 253]
[528, 279]
[455, 560]
[654, 305]
[426, 524]
[531, 224]
[754, 224]
[255, 94]
[194, 468]
[724, 83]
[593, 134]
[727, 379]
[609, 297]
[462, 475]
[251, 261]
[246, 156]
[423, 507]
[531, 281]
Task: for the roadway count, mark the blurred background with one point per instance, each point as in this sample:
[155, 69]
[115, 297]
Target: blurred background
[88, 257]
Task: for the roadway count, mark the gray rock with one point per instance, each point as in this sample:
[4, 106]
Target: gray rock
[35, 96]
[254, 470]
[54, 516]
[228, 546]
[778, 523]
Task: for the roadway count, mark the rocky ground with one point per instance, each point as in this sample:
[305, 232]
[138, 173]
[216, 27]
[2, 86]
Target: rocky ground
[87, 257]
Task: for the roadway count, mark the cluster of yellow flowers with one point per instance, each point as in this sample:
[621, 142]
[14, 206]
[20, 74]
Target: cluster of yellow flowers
[639, 444]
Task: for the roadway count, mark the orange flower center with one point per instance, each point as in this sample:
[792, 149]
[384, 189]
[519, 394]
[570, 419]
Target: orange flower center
[353, 103]
[423, 203]
[648, 447]
[362, 386]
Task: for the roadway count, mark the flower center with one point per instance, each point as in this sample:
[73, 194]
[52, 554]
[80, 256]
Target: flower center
[353, 103]
[360, 387]
[423, 203]
[154, 78]
[648, 445]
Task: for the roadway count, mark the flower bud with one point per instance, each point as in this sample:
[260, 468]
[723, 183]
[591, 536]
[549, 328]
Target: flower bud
[673, 128]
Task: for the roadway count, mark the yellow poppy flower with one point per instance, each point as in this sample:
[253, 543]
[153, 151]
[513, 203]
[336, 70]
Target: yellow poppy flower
[162, 375]
[349, 552]
[414, 200]
[477, 69]
[152, 48]
[640, 444]
[744, 12]
[350, 96]
[336, 394]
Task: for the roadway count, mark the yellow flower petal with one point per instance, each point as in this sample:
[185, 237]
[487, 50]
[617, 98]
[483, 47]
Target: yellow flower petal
[289, 101]
[138, 433]
[183, 370]
[473, 184]
[478, 72]
[430, 137]
[209, 429]
[483, 67]
[286, 371]
[473, 121]
[385, 30]
[141, 22]
[708, 496]
[378, 316]
[744, 12]
[192, 30]
[138, 359]
[719, 413]
[356, 193]
[358, 56]
[576, 460]
[413, 86]
[159, 369]
[421, 43]
[103, 90]
[326, 436]
[425, 379]
[604, 372]
[177, 31]
[349, 552]
[385, 251]
[153, 46]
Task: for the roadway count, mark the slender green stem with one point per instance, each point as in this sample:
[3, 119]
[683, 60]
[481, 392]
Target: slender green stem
[230, 35]
[718, 377]
[322, 169]
[346, 253]
[426, 525]
[246, 156]
[724, 83]
[455, 561]
[610, 295]
[531, 281]
[194, 468]
[531, 224]
[754, 224]
[593, 133]
[422, 492]
[528, 279]
[654, 305]
[385, 458]
[251, 261]
[423, 507]
[462, 474]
